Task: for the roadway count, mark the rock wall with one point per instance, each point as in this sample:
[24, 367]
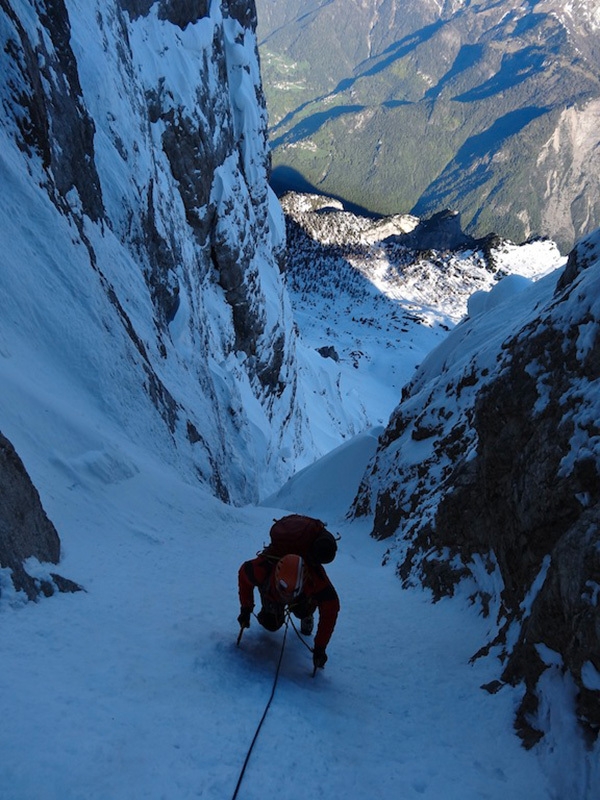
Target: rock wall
[505, 492]
[145, 125]
[531, 496]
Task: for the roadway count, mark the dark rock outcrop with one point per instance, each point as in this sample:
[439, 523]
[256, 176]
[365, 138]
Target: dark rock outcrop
[518, 501]
[328, 351]
[47, 104]
[25, 530]
[442, 231]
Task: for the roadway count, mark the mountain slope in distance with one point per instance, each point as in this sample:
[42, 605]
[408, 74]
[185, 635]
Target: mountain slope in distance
[486, 109]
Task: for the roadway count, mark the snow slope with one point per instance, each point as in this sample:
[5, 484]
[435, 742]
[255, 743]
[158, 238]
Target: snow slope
[135, 688]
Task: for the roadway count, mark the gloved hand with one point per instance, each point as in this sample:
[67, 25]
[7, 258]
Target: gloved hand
[244, 617]
[319, 658]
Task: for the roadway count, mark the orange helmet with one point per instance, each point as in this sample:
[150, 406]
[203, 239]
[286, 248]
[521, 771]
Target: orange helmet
[289, 577]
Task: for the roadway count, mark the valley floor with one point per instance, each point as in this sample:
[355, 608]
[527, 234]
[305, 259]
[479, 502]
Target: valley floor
[135, 688]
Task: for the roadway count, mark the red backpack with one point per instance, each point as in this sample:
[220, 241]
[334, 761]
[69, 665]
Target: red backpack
[305, 536]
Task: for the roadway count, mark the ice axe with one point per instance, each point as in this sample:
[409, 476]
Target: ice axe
[316, 666]
[244, 620]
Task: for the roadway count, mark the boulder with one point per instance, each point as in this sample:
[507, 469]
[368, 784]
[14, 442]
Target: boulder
[25, 530]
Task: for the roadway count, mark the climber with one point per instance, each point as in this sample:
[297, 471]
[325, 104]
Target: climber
[290, 583]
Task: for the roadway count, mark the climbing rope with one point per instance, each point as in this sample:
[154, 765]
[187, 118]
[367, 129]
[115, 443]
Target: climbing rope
[248, 754]
[303, 640]
[299, 635]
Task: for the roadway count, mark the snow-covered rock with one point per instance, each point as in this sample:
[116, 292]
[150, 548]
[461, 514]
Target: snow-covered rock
[365, 292]
[489, 474]
[141, 243]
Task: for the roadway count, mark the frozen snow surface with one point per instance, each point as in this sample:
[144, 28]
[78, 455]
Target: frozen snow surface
[136, 689]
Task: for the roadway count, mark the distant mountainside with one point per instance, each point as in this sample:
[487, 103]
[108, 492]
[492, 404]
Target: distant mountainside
[484, 108]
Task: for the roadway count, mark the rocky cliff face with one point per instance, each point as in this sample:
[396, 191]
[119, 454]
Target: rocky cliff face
[134, 135]
[489, 474]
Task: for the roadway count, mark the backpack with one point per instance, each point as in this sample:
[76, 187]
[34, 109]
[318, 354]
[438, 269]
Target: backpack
[305, 536]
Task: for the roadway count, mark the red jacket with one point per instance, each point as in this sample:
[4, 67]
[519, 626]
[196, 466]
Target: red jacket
[318, 593]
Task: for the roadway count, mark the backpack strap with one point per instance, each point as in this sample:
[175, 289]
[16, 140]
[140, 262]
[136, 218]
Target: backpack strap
[267, 555]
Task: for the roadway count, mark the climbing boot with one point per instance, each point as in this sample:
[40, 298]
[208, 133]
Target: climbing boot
[306, 625]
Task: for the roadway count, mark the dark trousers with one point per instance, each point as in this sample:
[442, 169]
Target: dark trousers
[272, 615]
